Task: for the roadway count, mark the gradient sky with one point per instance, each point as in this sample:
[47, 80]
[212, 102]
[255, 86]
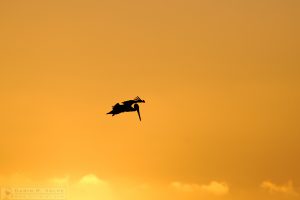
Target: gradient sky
[221, 81]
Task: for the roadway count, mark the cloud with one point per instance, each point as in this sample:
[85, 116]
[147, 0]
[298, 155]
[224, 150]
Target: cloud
[91, 179]
[214, 187]
[287, 188]
[90, 187]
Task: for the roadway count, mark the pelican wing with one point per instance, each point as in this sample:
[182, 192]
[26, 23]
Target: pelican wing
[129, 102]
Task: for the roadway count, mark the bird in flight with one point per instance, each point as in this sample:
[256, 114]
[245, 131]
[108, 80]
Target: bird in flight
[127, 106]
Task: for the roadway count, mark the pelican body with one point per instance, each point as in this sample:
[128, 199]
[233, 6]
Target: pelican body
[127, 106]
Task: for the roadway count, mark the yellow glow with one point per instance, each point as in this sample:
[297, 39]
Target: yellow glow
[220, 79]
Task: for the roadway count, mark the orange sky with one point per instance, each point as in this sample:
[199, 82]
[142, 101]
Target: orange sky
[220, 79]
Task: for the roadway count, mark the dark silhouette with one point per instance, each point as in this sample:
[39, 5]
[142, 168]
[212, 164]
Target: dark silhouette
[126, 106]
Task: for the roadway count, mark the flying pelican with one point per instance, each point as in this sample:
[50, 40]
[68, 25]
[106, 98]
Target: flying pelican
[126, 106]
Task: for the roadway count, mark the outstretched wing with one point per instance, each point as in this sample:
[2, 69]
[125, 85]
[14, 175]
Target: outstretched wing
[128, 103]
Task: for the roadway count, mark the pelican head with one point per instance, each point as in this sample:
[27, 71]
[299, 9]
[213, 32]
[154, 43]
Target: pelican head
[137, 108]
[139, 100]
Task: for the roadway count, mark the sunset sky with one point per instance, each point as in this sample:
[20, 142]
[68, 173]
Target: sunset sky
[221, 81]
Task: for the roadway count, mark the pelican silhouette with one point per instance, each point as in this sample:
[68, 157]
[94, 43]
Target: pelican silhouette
[126, 106]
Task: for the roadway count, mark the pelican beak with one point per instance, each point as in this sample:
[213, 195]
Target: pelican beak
[138, 110]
